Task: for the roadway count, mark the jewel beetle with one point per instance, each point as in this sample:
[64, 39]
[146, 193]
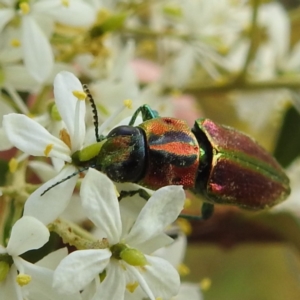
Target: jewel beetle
[215, 161]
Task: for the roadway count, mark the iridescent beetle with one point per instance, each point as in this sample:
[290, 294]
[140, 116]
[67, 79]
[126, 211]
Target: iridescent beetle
[218, 162]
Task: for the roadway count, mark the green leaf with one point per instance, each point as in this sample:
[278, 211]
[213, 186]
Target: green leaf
[288, 143]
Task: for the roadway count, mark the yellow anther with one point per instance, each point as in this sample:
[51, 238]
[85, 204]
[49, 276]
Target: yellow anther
[23, 279]
[205, 284]
[159, 298]
[185, 226]
[29, 115]
[25, 8]
[65, 137]
[80, 95]
[176, 93]
[131, 287]
[223, 49]
[128, 103]
[48, 149]
[187, 203]
[15, 43]
[65, 3]
[13, 165]
[183, 270]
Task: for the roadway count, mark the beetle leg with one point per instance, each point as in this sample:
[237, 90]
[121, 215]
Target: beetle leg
[141, 192]
[207, 210]
[147, 114]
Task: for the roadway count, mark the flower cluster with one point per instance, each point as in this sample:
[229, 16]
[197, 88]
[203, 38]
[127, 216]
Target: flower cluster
[117, 262]
[70, 71]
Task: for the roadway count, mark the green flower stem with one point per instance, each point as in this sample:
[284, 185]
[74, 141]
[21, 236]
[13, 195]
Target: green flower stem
[253, 34]
[74, 235]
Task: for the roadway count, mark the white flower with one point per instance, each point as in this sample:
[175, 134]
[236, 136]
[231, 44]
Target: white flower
[120, 83]
[189, 291]
[36, 26]
[123, 261]
[272, 52]
[208, 27]
[41, 274]
[27, 234]
[292, 204]
[33, 139]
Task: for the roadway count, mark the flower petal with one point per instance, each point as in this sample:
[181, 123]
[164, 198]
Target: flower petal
[155, 243]
[71, 109]
[113, 286]
[160, 277]
[6, 14]
[20, 78]
[5, 144]
[28, 233]
[175, 252]
[101, 205]
[48, 207]
[9, 288]
[43, 170]
[32, 138]
[76, 13]
[38, 55]
[161, 210]
[52, 260]
[79, 268]
[135, 275]
[40, 286]
[190, 290]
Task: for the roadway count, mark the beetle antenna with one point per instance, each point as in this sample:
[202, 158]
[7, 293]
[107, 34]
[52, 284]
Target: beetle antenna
[94, 110]
[65, 179]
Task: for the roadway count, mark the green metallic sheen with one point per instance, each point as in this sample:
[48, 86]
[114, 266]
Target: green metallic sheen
[239, 171]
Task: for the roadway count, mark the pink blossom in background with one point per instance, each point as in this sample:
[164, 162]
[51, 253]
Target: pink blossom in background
[185, 108]
[146, 71]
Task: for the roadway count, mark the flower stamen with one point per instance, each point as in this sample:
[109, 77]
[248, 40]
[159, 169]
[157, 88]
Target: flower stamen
[80, 95]
[183, 269]
[25, 8]
[131, 287]
[65, 3]
[13, 165]
[65, 137]
[205, 284]
[48, 149]
[23, 279]
[126, 104]
[15, 43]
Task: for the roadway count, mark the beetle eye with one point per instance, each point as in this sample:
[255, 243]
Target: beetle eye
[123, 130]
